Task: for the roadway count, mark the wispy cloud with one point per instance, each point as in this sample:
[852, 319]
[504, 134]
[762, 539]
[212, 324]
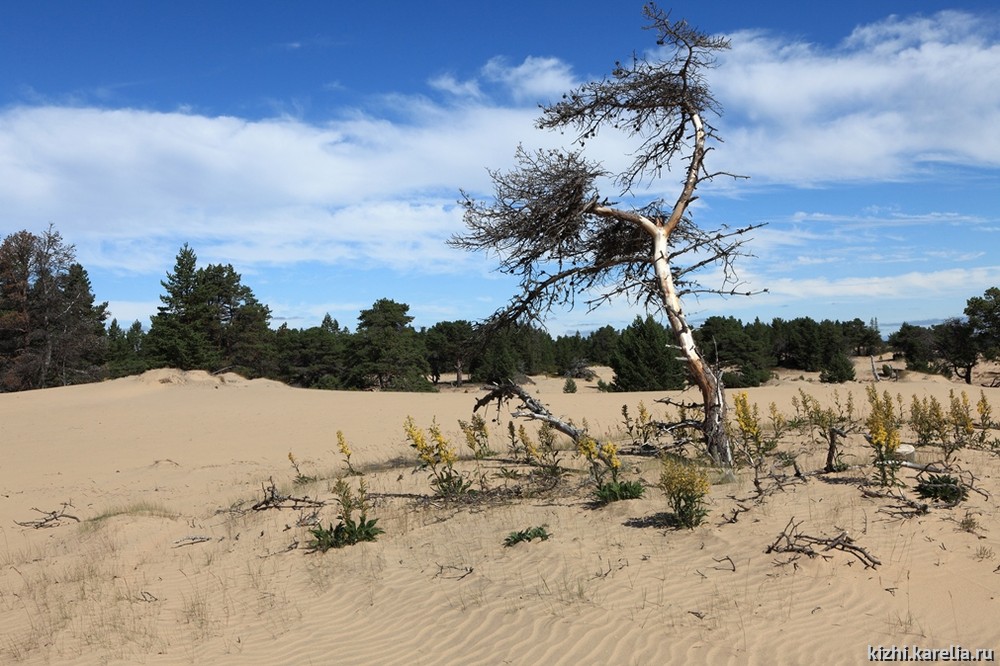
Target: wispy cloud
[892, 100]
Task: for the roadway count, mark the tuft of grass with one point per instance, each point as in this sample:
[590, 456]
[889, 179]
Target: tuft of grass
[140, 508]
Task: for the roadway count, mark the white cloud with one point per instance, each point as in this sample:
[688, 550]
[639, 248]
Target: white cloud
[894, 98]
[536, 80]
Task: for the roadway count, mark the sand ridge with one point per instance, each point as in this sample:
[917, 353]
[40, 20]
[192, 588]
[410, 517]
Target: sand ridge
[168, 567]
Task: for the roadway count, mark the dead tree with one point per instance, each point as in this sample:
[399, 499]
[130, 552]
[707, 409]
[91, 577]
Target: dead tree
[555, 231]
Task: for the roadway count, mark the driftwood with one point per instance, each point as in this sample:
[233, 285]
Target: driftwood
[275, 500]
[50, 519]
[791, 540]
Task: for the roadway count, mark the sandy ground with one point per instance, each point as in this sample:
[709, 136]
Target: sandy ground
[167, 564]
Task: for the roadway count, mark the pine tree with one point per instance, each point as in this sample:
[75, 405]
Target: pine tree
[643, 360]
[51, 331]
[387, 352]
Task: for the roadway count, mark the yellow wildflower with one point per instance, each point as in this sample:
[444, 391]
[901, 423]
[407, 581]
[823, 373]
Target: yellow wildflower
[609, 453]
[342, 444]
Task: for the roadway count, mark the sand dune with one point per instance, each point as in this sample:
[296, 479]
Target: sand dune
[167, 564]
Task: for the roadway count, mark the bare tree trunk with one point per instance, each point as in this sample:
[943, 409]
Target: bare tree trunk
[710, 384]
[712, 389]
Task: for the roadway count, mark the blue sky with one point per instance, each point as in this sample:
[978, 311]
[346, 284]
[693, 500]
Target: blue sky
[320, 147]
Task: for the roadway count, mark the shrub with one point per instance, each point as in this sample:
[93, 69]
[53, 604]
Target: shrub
[685, 486]
[569, 386]
[960, 420]
[642, 429]
[753, 445]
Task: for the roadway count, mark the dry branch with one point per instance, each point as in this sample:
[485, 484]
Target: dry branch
[51, 518]
[791, 540]
[905, 507]
[502, 393]
[275, 500]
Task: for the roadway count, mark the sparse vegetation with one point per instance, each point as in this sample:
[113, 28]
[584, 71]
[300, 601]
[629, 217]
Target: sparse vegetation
[883, 435]
[685, 485]
[530, 534]
[437, 455]
[605, 467]
[943, 488]
[348, 531]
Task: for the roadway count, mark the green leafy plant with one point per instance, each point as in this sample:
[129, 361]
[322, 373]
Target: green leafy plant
[348, 531]
[753, 446]
[569, 386]
[529, 534]
[604, 463]
[942, 487]
[686, 486]
[614, 491]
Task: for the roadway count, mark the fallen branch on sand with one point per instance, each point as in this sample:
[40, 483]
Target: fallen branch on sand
[51, 519]
[791, 540]
[506, 391]
[275, 500]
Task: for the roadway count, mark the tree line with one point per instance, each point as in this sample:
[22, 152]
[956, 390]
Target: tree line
[53, 332]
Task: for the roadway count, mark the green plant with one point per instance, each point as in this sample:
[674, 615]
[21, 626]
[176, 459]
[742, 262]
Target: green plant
[604, 462]
[529, 534]
[752, 446]
[685, 486]
[348, 531]
[477, 437]
[614, 491]
[985, 411]
[642, 430]
[883, 435]
[826, 424]
[300, 478]
[942, 487]
[960, 420]
[569, 386]
[439, 457]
